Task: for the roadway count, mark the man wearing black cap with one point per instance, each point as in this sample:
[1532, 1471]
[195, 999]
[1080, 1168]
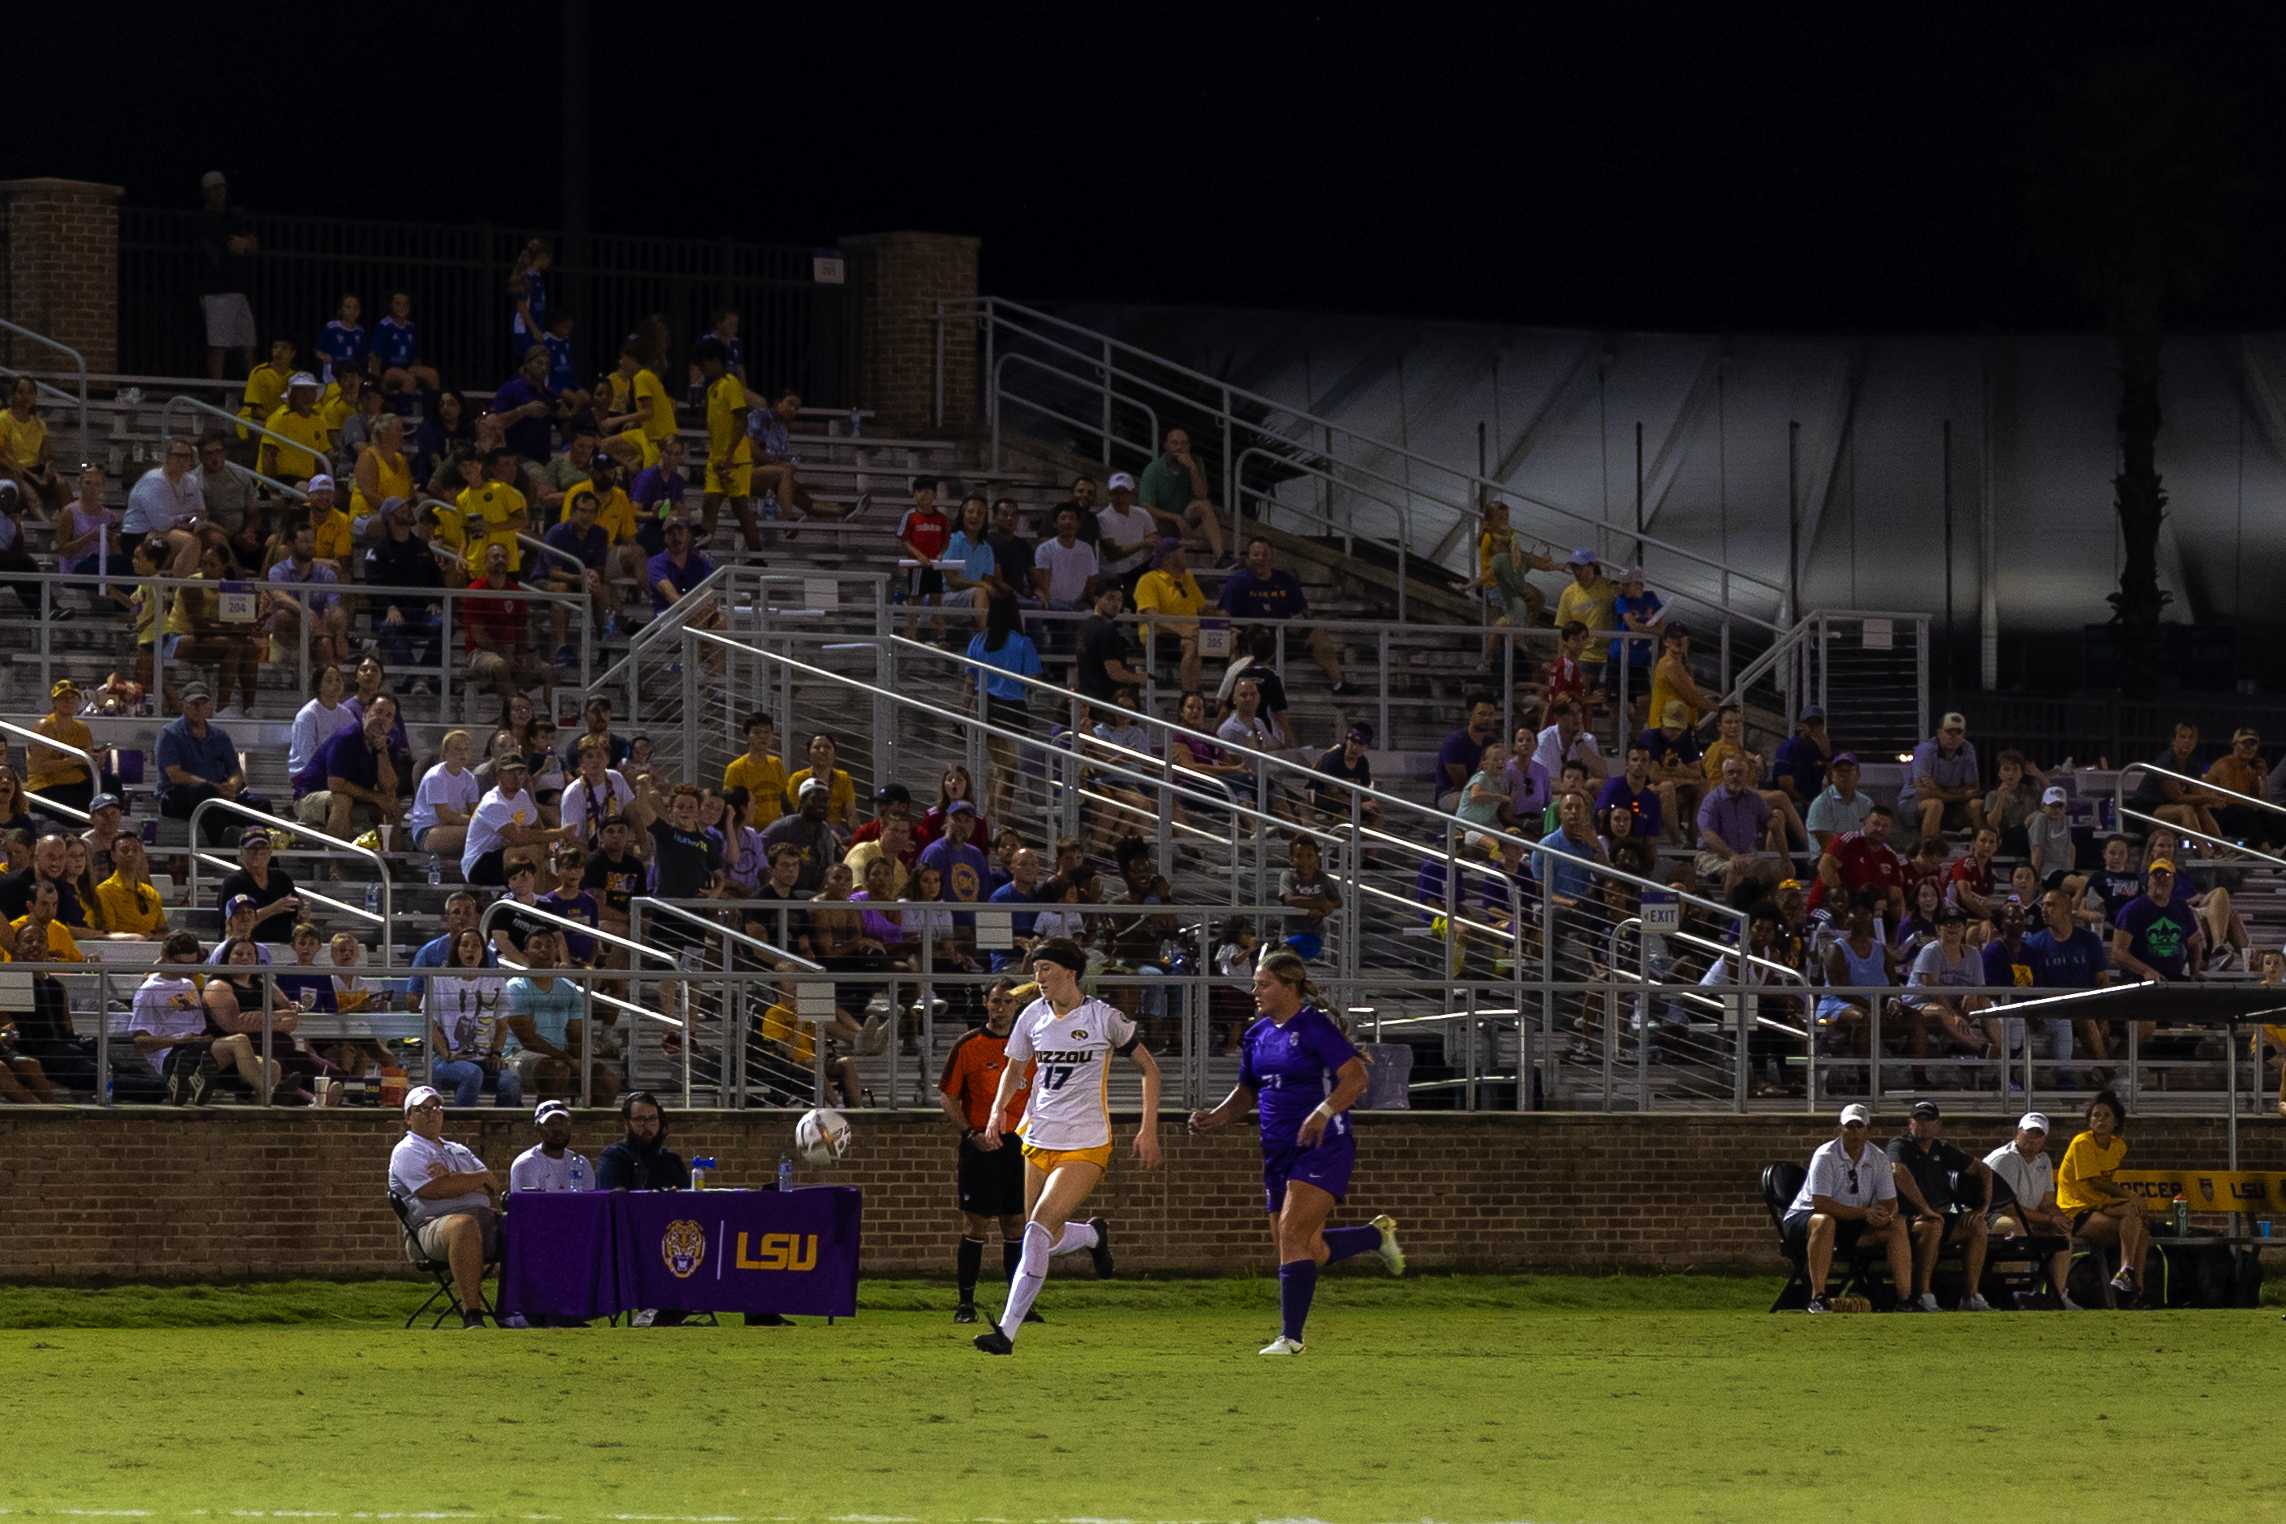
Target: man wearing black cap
[104, 812]
[1348, 763]
[1936, 1181]
[1799, 767]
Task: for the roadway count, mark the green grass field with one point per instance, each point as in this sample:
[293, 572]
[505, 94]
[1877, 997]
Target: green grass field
[1456, 1399]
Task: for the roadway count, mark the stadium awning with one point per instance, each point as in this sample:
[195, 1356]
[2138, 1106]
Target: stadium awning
[2179, 1003]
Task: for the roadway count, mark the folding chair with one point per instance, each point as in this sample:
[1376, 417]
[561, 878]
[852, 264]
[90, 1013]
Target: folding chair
[420, 1260]
[1860, 1269]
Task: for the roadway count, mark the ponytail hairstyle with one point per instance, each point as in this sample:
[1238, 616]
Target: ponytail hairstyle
[1286, 966]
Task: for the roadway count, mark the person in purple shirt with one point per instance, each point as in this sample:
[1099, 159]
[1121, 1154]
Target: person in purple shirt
[657, 492]
[1261, 592]
[1302, 1076]
[674, 571]
[526, 407]
[1633, 789]
[1464, 748]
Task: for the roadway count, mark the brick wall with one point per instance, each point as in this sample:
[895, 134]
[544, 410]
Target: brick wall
[154, 1193]
[63, 269]
[900, 279]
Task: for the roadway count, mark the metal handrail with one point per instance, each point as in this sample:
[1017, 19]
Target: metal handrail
[659, 628]
[1168, 780]
[252, 475]
[990, 308]
[236, 422]
[729, 933]
[386, 919]
[87, 759]
[1262, 759]
[2119, 792]
[1109, 438]
[565, 556]
[2230, 848]
[566, 923]
[79, 363]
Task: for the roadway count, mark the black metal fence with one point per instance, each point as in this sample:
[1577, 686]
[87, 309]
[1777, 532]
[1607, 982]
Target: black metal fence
[795, 330]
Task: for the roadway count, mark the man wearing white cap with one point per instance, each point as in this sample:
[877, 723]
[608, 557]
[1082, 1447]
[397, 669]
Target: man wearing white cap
[1849, 1201]
[550, 1164]
[1943, 784]
[299, 421]
[2024, 1197]
[450, 1198]
[1124, 533]
[1175, 489]
[224, 242]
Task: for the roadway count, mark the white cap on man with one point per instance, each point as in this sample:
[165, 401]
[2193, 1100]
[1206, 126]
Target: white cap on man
[421, 1095]
[2053, 795]
[2033, 1121]
[1120, 482]
[1856, 1112]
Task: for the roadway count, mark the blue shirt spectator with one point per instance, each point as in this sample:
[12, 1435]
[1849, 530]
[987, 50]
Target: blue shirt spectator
[1802, 757]
[1643, 803]
[591, 548]
[1566, 869]
[528, 437]
[1278, 595]
[343, 346]
[1020, 922]
[1016, 656]
[345, 754]
[311, 571]
[211, 758]
[695, 568]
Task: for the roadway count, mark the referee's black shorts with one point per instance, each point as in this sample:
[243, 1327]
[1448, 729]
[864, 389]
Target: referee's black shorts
[992, 1183]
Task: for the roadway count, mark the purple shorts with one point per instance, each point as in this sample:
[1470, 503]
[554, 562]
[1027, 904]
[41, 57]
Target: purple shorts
[1326, 1166]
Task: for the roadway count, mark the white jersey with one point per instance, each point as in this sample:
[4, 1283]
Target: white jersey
[1070, 1105]
[535, 1171]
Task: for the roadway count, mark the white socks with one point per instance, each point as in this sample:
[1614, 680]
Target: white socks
[1076, 1235]
[1031, 1275]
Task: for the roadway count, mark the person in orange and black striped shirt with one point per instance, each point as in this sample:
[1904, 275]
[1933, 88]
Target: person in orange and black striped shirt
[991, 1172]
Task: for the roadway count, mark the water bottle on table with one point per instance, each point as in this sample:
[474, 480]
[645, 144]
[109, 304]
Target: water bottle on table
[699, 1169]
[785, 1172]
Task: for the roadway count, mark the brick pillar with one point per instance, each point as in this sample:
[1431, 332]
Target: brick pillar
[901, 277]
[63, 269]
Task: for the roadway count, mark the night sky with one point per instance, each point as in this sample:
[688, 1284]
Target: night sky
[1839, 168]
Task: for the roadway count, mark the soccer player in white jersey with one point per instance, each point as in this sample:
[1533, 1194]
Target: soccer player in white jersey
[1067, 1123]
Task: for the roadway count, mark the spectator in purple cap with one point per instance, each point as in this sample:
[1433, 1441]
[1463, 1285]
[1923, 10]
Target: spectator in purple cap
[1841, 806]
[239, 915]
[961, 865]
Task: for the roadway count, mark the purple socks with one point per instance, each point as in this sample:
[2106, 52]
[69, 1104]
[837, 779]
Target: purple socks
[1345, 1243]
[1297, 1283]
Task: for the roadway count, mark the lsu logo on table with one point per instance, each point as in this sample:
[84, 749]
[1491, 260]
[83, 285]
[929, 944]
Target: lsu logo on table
[778, 1251]
[683, 1247]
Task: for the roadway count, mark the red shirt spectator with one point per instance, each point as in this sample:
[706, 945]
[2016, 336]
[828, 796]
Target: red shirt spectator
[492, 624]
[1862, 860]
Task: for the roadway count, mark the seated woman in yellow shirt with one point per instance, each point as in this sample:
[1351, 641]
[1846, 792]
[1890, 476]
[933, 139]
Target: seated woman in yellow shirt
[59, 775]
[841, 793]
[2101, 1210]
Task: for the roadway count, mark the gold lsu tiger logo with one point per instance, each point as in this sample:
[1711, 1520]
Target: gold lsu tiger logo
[683, 1247]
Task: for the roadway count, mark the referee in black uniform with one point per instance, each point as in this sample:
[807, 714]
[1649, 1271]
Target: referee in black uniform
[991, 1179]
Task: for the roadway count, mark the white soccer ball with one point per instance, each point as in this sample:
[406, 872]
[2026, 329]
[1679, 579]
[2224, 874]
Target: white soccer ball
[821, 1137]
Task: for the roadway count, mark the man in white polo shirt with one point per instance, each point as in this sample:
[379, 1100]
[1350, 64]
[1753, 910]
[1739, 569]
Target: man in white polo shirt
[451, 1199]
[2024, 1197]
[550, 1164]
[1848, 1201]
[1126, 535]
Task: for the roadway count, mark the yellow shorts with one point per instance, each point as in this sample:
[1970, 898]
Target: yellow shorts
[740, 483]
[1048, 1160]
[642, 444]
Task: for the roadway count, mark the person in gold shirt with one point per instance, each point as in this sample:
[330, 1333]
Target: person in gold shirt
[649, 417]
[1591, 599]
[841, 793]
[265, 390]
[300, 422]
[25, 450]
[758, 771]
[494, 512]
[729, 453]
[41, 913]
[129, 904]
[55, 774]
[384, 470]
[2102, 1211]
[2241, 770]
[1671, 680]
[1171, 591]
[333, 539]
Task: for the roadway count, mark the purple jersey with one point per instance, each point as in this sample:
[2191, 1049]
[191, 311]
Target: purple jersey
[1291, 1069]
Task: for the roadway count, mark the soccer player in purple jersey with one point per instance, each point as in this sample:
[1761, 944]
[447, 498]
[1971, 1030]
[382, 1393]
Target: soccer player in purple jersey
[1303, 1075]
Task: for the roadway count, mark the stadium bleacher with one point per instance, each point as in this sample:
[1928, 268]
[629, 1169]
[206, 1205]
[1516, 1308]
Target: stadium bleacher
[1492, 992]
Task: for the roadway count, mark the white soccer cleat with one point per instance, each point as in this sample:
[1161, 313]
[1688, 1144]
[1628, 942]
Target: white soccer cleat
[1975, 1303]
[1281, 1346]
[1391, 1255]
